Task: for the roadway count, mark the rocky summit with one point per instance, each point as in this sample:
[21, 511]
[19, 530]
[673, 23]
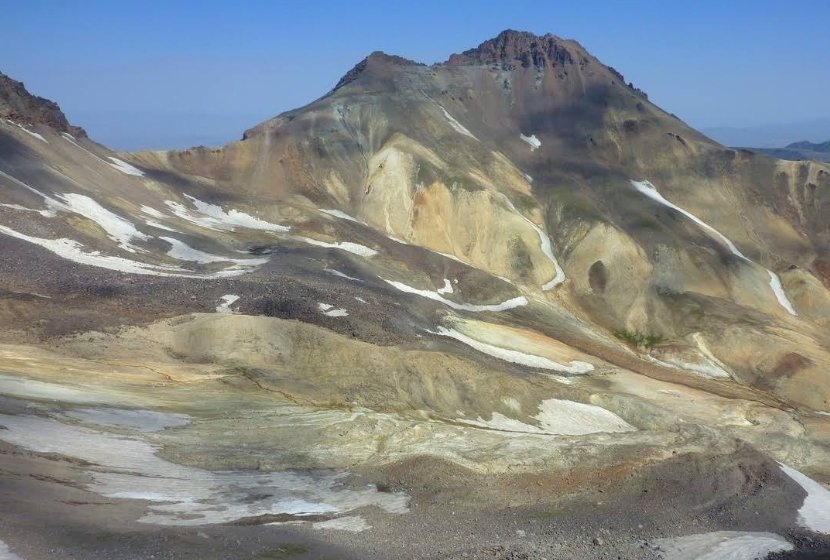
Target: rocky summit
[501, 307]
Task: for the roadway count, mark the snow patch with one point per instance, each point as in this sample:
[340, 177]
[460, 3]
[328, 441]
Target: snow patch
[30, 133]
[512, 404]
[73, 251]
[24, 388]
[361, 300]
[328, 310]
[516, 357]
[6, 554]
[125, 167]
[780, 295]
[184, 252]
[563, 417]
[558, 417]
[212, 216]
[429, 294]
[722, 545]
[706, 368]
[714, 361]
[128, 467]
[51, 204]
[47, 213]
[447, 289]
[118, 229]
[351, 523]
[342, 275]
[155, 224]
[340, 214]
[152, 212]
[457, 126]
[532, 141]
[646, 188]
[448, 255]
[502, 423]
[226, 301]
[348, 246]
[814, 513]
[547, 249]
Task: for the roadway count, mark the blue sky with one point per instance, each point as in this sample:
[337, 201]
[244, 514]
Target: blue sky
[165, 74]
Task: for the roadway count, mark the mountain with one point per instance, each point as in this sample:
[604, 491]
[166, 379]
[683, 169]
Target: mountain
[503, 300]
[798, 151]
[771, 135]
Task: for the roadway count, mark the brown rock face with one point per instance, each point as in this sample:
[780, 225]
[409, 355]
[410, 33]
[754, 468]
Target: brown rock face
[17, 104]
[518, 47]
[374, 60]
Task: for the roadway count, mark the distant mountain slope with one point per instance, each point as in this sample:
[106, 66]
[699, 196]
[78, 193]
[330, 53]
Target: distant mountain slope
[799, 151]
[771, 135]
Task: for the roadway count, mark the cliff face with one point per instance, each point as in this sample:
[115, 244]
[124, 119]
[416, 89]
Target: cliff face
[18, 105]
[522, 48]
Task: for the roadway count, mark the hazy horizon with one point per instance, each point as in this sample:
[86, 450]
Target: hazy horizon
[190, 74]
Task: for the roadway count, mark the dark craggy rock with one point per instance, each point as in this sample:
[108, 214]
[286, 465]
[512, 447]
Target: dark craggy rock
[375, 59]
[526, 49]
[18, 105]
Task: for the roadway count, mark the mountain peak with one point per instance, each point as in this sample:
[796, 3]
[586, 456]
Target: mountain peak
[377, 59]
[18, 105]
[518, 47]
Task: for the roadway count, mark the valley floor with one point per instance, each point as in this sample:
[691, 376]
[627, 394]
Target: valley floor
[186, 460]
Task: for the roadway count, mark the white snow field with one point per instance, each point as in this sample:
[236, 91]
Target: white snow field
[516, 357]
[348, 246]
[119, 229]
[212, 216]
[184, 252]
[447, 289]
[351, 523]
[532, 141]
[127, 467]
[125, 167]
[339, 214]
[558, 417]
[328, 310]
[814, 513]
[433, 295]
[547, 249]
[722, 545]
[457, 126]
[6, 554]
[226, 301]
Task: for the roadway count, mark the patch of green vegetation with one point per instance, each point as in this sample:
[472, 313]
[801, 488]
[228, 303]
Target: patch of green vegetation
[638, 339]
